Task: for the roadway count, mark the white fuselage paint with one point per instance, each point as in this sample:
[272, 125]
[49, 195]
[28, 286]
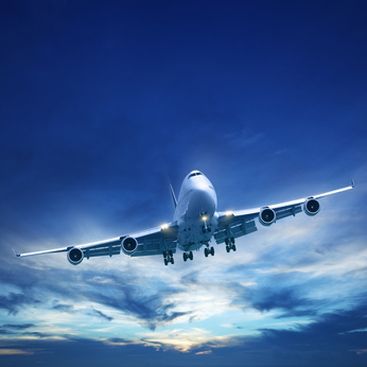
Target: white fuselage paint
[195, 213]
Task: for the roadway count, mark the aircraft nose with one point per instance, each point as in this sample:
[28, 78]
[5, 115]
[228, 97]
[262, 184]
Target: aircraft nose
[202, 201]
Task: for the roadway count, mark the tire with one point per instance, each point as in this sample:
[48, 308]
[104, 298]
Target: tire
[234, 248]
[172, 261]
[184, 256]
[212, 252]
[228, 249]
[165, 262]
[206, 252]
[191, 256]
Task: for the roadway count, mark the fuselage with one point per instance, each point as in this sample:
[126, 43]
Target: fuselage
[195, 213]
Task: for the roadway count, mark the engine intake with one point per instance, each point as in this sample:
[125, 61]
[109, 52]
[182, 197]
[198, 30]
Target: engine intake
[129, 245]
[267, 216]
[311, 206]
[75, 256]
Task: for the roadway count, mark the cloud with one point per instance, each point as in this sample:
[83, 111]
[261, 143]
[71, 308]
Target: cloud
[100, 314]
[14, 352]
[184, 340]
[360, 351]
[63, 307]
[17, 326]
[12, 302]
[152, 309]
[286, 299]
[203, 352]
[244, 139]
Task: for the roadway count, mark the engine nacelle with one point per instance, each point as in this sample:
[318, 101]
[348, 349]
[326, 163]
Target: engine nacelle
[311, 206]
[267, 216]
[129, 245]
[75, 256]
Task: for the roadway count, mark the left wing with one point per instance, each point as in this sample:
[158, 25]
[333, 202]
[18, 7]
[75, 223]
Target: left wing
[149, 242]
[233, 224]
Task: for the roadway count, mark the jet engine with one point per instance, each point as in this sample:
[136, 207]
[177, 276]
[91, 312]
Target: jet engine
[129, 245]
[267, 216]
[75, 256]
[311, 206]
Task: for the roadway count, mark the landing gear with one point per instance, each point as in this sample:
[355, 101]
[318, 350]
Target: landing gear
[168, 257]
[205, 228]
[209, 251]
[230, 244]
[188, 255]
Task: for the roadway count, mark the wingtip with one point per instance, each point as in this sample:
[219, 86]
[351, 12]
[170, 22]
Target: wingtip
[16, 253]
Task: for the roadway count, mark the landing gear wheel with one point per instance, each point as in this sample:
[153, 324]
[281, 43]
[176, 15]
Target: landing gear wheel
[191, 256]
[206, 252]
[212, 252]
[184, 256]
[230, 244]
[168, 257]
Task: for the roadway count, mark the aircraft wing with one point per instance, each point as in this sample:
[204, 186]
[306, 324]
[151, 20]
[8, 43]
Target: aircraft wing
[149, 242]
[237, 223]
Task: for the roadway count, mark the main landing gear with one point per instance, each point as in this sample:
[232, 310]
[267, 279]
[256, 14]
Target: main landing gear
[209, 251]
[188, 255]
[168, 257]
[230, 244]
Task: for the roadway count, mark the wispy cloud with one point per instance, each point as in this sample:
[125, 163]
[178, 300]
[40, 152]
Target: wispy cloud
[14, 352]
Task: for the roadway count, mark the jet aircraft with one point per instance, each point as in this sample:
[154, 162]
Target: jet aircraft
[196, 224]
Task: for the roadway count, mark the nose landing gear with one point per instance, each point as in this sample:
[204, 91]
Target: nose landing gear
[230, 244]
[206, 226]
[168, 257]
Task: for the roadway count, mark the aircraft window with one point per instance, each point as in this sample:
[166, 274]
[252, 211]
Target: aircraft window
[194, 174]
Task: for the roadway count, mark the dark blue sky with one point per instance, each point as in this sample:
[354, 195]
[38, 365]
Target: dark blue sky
[103, 103]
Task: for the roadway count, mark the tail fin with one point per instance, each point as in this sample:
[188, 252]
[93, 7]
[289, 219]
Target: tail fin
[173, 196]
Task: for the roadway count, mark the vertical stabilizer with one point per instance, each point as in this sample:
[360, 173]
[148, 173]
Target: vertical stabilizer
[173, 196]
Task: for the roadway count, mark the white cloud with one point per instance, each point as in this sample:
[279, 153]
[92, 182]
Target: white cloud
[14, 352]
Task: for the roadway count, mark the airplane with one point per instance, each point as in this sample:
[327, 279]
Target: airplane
[196, 222]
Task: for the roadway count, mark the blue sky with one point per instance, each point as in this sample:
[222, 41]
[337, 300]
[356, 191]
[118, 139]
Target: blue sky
[102, 105]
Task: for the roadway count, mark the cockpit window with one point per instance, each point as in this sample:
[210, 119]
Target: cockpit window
[194, 174]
